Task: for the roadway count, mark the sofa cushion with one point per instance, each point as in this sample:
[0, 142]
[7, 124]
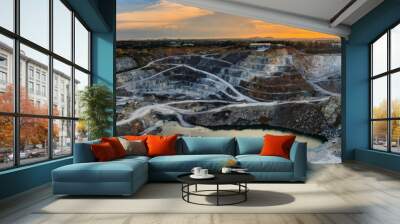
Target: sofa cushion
[116, 145]
[257, 163]
[133, 158]
[135, 137]
[277, 145]
[112, 171]
[185, 163]
[249, 145]
[161, 145]
[134, 147]
[206, 145]
[103, 152]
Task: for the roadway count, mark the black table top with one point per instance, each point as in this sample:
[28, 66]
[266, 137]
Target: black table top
[220, 178]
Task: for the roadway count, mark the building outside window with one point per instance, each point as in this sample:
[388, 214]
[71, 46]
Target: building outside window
[38, 89]
[3, 61]
[37, 74]
[3, 72]
[3, 77]
[55, 97]
[43, 90]
[30, 87]
[44, 77]
[59, 125]
[30, 72]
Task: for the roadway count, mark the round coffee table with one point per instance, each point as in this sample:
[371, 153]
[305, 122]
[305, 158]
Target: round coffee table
[238, 179]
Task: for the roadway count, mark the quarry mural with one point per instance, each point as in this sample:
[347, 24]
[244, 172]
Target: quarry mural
[240, 85]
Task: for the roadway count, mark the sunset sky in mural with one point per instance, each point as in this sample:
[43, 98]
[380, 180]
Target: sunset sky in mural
[154, 19]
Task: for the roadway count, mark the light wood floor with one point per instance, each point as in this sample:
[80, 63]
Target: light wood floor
[378, 188]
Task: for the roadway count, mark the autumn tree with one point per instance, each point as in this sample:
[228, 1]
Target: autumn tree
[6, 122]
[33, 131]
[380, 127]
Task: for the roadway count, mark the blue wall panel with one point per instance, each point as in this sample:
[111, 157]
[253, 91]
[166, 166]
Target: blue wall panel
[24, 178]
[380, 159]
[356, 97]
[103, 51]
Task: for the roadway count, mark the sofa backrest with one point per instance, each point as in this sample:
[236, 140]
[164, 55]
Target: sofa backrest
[206, 145]
[190, 146]
[83, 152]
[249, 145]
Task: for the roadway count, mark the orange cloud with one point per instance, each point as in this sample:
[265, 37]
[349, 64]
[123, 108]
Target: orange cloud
[264, 29]
[162, 15]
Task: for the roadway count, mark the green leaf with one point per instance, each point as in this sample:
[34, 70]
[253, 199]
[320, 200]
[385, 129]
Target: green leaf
[97, 105]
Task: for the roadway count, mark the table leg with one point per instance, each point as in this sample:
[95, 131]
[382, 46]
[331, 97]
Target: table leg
[188, 189]
[217, 194]
[245, 193]
[182, 190]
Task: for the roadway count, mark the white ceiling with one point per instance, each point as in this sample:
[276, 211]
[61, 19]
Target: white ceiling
[313, 15]
[321, 9]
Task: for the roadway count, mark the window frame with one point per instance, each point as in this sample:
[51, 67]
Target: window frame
[16, 114]
[388, 74]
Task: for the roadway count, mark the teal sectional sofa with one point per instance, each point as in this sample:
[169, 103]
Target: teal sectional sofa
[125, 176]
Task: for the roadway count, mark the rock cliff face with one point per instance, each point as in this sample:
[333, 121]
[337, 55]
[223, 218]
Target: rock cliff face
[125, 63]
[236, 86]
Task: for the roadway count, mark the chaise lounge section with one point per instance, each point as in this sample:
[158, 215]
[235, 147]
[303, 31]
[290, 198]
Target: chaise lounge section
[88, 177]
[125, 176]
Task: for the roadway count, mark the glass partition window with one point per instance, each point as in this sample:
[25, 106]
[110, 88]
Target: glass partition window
[62, 29]
[7, 14]
[6, 74]
[379, 56]
[35, 101]
[35, 21]
[40, 80]
[379, 97]
[81, 45]
[395, 47]
[385, 91]
[33, 140]
[62, 137]
[62, 89]
[6, 142]
[81, 82]
[380, 135]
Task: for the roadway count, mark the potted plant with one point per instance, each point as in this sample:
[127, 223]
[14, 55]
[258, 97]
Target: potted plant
[97, 104]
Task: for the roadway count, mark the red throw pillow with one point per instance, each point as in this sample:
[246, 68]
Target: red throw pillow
[116, 145]
[275, 145]
[136, 137]
[161, 145]
[103, 152]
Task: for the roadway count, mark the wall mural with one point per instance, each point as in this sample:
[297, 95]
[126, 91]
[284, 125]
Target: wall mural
[178, 72]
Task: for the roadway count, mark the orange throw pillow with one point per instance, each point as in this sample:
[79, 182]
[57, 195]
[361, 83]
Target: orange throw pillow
[116, 145]
[275, 145]
[161, 145]
[136, 137]
[103, 152]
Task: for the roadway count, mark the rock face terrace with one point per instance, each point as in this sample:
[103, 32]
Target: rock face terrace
[285, 85]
